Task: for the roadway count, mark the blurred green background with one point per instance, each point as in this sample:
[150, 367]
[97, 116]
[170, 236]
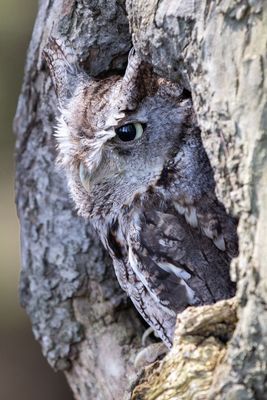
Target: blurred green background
[24, 373]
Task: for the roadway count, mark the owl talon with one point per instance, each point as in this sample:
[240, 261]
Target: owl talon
[150, 354]
[146, 334]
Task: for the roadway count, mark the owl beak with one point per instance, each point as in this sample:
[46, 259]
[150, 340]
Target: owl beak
[84, 177]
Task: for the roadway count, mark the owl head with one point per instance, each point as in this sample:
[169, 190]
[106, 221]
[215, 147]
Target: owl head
[115, 135]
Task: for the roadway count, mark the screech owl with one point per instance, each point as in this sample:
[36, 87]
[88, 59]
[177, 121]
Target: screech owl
[137, 169]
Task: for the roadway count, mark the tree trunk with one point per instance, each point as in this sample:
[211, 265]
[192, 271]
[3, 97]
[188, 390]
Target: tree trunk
[82, 319]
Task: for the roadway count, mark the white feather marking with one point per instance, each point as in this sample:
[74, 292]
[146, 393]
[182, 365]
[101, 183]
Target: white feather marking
[181, 210]
[134, 264]
[219, 243]
[164, 242]
[189, 213]
[179, 272]
[113, 119]
[191, 217]
[191, 297]
[208, 232]
[64, 140]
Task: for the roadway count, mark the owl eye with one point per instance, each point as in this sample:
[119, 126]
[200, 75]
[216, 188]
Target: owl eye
[129, 132]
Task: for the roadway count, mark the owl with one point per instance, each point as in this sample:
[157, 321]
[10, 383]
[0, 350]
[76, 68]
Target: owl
[137, 170]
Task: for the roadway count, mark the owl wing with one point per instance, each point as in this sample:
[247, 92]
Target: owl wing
[177, 264]
[165, 264]
[131, 276]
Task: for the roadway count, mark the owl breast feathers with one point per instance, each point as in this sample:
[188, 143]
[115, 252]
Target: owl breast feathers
[137, 169]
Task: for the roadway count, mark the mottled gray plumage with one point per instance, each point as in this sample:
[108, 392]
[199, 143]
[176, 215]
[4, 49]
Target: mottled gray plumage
[151, 199]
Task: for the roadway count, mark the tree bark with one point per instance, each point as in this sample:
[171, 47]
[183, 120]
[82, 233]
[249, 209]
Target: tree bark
[82, 319]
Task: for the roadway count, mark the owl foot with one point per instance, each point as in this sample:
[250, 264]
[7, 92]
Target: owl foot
[146, 334]
[150, 354]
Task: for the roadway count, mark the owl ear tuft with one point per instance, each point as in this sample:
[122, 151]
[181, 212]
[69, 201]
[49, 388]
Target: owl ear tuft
[138, 82]
[63, 67]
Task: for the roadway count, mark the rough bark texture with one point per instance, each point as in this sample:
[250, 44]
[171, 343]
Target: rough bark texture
[78, 312]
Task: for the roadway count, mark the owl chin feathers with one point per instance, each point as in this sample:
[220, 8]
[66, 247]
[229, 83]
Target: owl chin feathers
[137, 169]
